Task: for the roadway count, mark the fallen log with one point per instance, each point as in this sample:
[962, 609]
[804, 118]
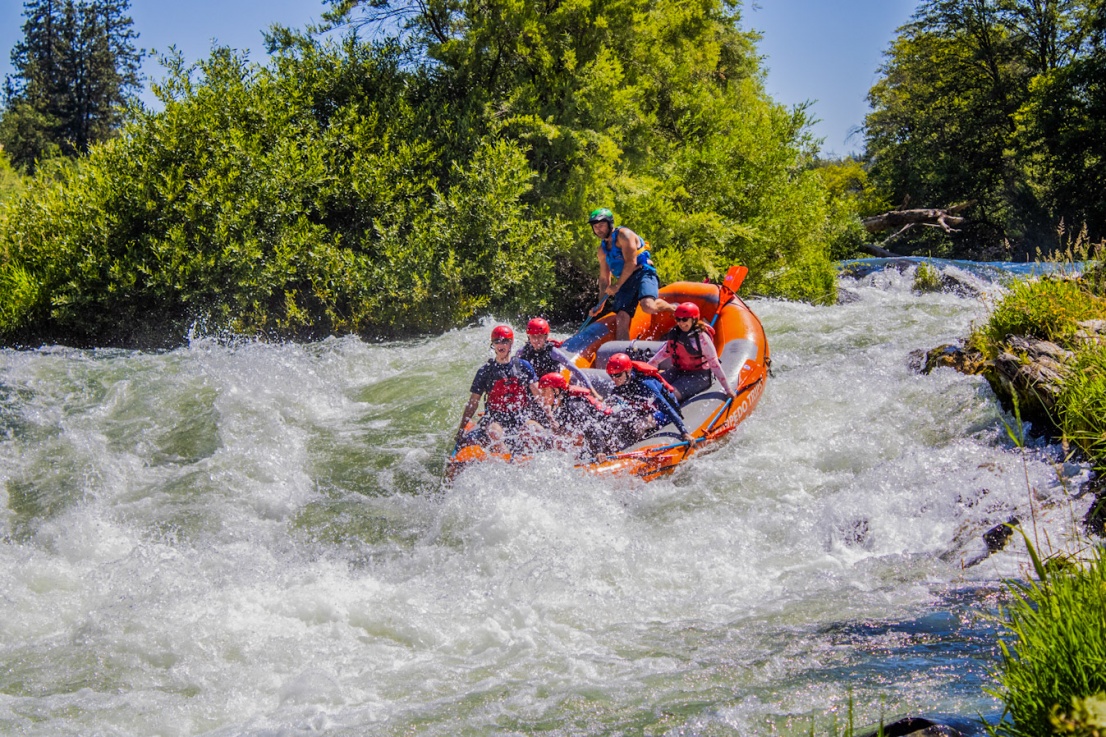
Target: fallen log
[946, 219]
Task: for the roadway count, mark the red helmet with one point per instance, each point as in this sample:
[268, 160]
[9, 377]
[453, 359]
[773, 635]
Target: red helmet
[502, 332]
[554, 380]
[537, 326]
[687, 309]
[618, 363]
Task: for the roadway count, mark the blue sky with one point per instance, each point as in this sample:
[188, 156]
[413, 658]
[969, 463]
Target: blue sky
[824, 51]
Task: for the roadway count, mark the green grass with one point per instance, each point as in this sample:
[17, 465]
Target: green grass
[1054, 665]
[1081, 406]
[1049, 308]
[927, 278]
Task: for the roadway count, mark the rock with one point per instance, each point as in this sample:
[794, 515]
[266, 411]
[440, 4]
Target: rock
[915, 727]
[1092, 332]
[846, 296]
[997, 537]
[951, 355]
[1034, 370]
[1095, 521]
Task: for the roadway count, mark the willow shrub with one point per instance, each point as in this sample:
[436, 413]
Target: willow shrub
[264, 203]
[372, 189]
[11, 182]
[1057, 656]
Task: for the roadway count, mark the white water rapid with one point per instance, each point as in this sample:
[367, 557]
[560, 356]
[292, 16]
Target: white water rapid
[249, 539]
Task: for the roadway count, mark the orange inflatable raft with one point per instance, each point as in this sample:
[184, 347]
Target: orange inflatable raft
[742, 350]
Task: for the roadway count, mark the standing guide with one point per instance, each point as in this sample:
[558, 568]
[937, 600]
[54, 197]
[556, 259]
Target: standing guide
[626, 273]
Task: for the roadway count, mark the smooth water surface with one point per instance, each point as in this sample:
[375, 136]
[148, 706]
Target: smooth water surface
[250, 539]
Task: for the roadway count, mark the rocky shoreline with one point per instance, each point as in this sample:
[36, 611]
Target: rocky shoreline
[1027, 376]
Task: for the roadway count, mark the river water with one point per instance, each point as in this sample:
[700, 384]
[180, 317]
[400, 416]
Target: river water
[238, 538]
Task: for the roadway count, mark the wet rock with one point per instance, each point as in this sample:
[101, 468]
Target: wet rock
[846, 296]
[1034, 370]
[861, 269]
[961, 284]
[952, 355]
[997, 537]
[918, 727]
[1095, 520]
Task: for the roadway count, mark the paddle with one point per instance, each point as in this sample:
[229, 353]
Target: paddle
[595, 310]
[654, 449]
[728, 289]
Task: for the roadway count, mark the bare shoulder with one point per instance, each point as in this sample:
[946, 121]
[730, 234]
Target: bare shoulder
[627, 237]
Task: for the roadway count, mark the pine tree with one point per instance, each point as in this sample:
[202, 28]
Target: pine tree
[75, 68]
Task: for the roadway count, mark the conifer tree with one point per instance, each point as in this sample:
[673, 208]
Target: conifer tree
[75, 68]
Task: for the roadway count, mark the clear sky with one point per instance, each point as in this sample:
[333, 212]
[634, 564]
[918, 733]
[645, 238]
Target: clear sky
[824, 51]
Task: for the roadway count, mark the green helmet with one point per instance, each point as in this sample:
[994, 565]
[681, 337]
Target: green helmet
[598, 216]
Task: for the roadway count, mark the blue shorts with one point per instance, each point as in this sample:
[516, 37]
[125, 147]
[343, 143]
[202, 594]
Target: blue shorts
[641, 285]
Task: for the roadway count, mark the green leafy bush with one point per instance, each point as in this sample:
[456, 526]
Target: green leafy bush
[346, 188]
[11, 183]
[926, 278]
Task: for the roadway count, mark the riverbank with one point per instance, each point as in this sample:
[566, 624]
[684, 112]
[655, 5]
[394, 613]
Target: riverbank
[1043, 352]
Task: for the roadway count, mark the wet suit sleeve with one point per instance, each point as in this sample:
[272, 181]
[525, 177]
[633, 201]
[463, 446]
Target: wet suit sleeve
[659, 356]
[667, 412]
[531, 375]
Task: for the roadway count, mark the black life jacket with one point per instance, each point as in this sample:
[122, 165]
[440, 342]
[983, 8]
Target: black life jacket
[637, 394]
[543, 361]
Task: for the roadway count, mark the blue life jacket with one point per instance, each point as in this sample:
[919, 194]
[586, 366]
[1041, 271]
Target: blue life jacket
[613, 253]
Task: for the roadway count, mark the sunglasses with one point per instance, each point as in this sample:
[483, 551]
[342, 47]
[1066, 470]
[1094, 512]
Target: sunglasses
[621, 374]
[502, 341]
[684, 319]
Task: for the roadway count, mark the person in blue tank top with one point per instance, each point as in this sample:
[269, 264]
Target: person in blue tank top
[627, 277]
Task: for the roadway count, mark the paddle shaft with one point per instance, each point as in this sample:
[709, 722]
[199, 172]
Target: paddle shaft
[595, 310]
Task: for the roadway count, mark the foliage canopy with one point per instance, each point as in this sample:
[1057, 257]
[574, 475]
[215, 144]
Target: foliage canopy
[408, 184]
[1000, 103]
[76, 66]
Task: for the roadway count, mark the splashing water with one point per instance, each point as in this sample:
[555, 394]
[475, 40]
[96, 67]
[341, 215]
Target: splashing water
[250, 539]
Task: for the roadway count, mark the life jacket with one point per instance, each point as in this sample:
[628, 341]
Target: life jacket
[637, 393]
[585, 393]
[543, 361]
[509, 393]
[616, 262]
[651, 371]
[686, 348]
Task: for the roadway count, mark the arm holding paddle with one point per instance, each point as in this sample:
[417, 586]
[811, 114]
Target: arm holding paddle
[466, 415]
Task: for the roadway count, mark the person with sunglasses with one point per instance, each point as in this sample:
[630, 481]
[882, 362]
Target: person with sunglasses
[627, 277]
[509, 387]
[640, 403]
[691, 347]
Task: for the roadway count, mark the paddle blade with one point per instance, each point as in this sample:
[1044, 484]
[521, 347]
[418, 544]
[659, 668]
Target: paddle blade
[734, 277]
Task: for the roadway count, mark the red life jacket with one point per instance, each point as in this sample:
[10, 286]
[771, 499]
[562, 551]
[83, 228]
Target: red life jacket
[686, 348]
[510, 393]
[652, 372]
[583, 391]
